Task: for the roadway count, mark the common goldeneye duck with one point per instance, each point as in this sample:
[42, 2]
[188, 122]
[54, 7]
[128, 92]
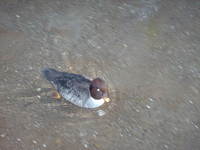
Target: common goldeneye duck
[77, 89]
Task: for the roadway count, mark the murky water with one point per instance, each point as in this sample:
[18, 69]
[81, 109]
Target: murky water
[147, 51]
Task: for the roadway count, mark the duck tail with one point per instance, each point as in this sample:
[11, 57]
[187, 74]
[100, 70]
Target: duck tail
[50, 74]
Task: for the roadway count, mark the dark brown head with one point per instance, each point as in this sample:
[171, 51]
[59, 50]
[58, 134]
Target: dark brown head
[98, 89]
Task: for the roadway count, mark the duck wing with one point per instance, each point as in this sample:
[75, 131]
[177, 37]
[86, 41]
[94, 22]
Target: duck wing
[73, 87]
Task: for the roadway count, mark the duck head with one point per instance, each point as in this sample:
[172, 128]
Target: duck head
[99, 90]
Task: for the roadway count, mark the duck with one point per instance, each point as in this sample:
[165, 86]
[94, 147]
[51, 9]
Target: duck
[78, 89]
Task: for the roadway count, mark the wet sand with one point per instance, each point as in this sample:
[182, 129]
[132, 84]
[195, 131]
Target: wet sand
[147, 51]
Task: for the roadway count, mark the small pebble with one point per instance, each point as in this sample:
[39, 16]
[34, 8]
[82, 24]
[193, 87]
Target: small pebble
[18, 16]
[150, 99]
[95, 134]
[2, 135]
[38, 96]
[44, 145]
[176, 129]
[125, 45]
[137, 110]
[147, 106]
[101, 113]
[19, 140]
[82, 134]
[120, 7]
[166, 146]
[34, 142]
[38, 89]
[85, 145]
[190, 101]
[180, 67]
[196, 126]
[187, 33]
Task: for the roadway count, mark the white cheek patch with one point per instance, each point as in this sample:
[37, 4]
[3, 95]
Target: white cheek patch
[98, 90]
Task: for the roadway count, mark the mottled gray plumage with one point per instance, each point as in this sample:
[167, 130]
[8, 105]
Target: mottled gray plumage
[73, 87]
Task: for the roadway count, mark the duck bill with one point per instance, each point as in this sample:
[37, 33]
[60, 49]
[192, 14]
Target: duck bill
[106, 99]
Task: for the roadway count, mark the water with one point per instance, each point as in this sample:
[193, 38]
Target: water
[148, 55]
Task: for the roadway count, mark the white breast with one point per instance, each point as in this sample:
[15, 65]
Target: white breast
[93, 103]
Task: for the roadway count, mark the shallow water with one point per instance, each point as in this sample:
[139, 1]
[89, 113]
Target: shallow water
[146, 51]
